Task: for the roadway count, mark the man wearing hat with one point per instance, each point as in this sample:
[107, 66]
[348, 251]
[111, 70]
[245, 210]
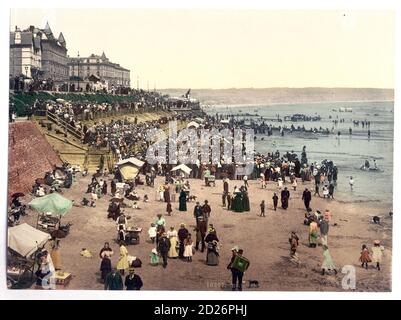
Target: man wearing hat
[163, 247]
[306, 197]
[200, 229]
[113, 281]
[133, 281]
[198, 212]
[206, 210]
[182, 235]
[237, 274]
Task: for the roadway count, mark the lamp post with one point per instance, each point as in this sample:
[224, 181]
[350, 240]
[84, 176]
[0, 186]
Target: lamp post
[122, 82]
[78, 70]
[26, 71]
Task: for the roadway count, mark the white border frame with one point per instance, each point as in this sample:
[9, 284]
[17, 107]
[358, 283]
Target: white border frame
[5, 7]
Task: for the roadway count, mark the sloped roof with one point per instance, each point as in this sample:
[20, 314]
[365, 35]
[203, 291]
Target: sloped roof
[25, 239]
[183, 168]
[61, 38]
[47, 28]
[26, 38]
[48, 32]
[134, 161]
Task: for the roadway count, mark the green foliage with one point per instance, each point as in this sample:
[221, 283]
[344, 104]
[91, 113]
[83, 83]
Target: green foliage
[22, 100]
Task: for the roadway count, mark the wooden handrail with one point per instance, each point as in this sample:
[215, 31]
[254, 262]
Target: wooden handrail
[57, 120]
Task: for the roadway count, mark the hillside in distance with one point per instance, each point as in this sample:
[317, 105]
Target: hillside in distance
[252, 96]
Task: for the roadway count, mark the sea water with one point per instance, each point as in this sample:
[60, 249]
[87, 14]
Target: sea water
[348, 152]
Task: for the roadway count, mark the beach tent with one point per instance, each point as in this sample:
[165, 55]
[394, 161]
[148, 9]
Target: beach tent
[25, 239]
[183, 168]
[54, 203]
[130, 167]
[193, 124]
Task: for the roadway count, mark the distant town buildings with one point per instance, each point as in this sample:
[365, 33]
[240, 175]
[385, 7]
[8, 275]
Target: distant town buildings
[37, 55]
[100, 68]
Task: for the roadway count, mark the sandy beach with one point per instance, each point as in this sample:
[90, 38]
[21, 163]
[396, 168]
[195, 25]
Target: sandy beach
[264, 240]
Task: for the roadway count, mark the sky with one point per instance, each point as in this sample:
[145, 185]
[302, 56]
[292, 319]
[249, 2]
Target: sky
[222, 48]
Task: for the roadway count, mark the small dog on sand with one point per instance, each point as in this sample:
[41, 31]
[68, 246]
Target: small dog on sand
[253, 284]
[376, 220]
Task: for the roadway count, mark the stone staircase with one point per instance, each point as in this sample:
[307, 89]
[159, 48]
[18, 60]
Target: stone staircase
[66, 140]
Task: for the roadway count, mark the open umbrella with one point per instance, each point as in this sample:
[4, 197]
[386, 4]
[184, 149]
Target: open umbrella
[17, 195]
[59, 234]
[116, 199]
[54, 203]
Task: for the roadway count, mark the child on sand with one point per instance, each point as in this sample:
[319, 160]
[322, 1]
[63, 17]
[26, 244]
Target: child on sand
[365, 256]
[351, 183]
[325, 192]
[152, 232]
[169, 209]
[294, 184]
[154, 257]
[262, 181]
[188, 248]
[294, 242]
[275, 201]
[262, 208]
[377, 253]
[280, 183]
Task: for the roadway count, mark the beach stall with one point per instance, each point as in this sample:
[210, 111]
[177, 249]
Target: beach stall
[199, 120]
[129, 168]
[51, 208]
[24, 241]
[182, 170]
[193, 124]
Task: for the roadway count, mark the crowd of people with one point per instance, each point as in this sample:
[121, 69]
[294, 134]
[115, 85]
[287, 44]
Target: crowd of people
[126, 139]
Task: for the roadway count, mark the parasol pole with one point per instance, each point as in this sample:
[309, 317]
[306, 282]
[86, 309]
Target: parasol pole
[37, 221]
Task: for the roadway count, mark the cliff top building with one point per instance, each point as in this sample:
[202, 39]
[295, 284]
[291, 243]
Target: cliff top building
[25, 52]
[54, 56]
[100, 67]
[37, 53]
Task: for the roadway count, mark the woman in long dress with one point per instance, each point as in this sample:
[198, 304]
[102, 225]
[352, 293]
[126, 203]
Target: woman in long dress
[123, 261]
[237, 203]
[161, 193]
[55, 253]
[182, 201]
[313, 234]
[166, 193]
[328, 263]
[245, 201]
[98, 191]
[212, 256]
[105, 265]
[172, 235]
